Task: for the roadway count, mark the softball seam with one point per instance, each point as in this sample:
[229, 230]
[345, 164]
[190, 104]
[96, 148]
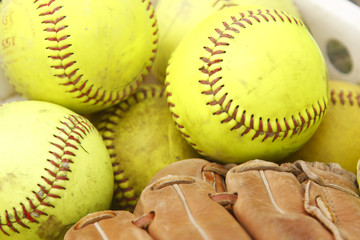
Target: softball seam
[299, 122]
[123, 193]
[71, 75]
[341, 97]
[71, 131]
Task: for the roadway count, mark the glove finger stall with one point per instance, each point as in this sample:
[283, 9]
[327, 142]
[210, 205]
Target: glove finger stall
[109, 225]
[270, 203]
[332, 196]
[183, 209]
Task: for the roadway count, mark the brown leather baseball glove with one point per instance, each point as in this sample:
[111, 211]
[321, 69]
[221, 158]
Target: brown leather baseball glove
[196, 199]
[331, 195]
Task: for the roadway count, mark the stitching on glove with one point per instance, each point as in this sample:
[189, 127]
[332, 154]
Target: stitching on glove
[268, 190]
[188, 211]
[317, 213]
[256, 165]
[172, 180]
[325, 209]
[216, 168]
[321, 181]
[87, 221]
[101, 231]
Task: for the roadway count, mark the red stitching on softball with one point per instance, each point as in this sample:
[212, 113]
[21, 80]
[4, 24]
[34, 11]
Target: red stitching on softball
[113, 97]
[73, 124]
[339, 96]
[349, 96]
[46, 4]
[219, 41]
[54, 22]
[108, 122]
[54, 29]
[279, 16]
[49, 12]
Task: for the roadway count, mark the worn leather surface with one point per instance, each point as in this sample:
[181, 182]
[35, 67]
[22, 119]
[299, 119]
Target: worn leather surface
[212, 173]
[107, 225]
[197, 199]
[331, 196]
[184, 210]
[270, 203]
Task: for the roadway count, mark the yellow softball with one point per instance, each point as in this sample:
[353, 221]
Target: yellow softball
[247, 83]
[337, 138]
[6, 89]
[84, 55]
[358, 173]
[141, 139]
[177, 17]
[55, 169]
